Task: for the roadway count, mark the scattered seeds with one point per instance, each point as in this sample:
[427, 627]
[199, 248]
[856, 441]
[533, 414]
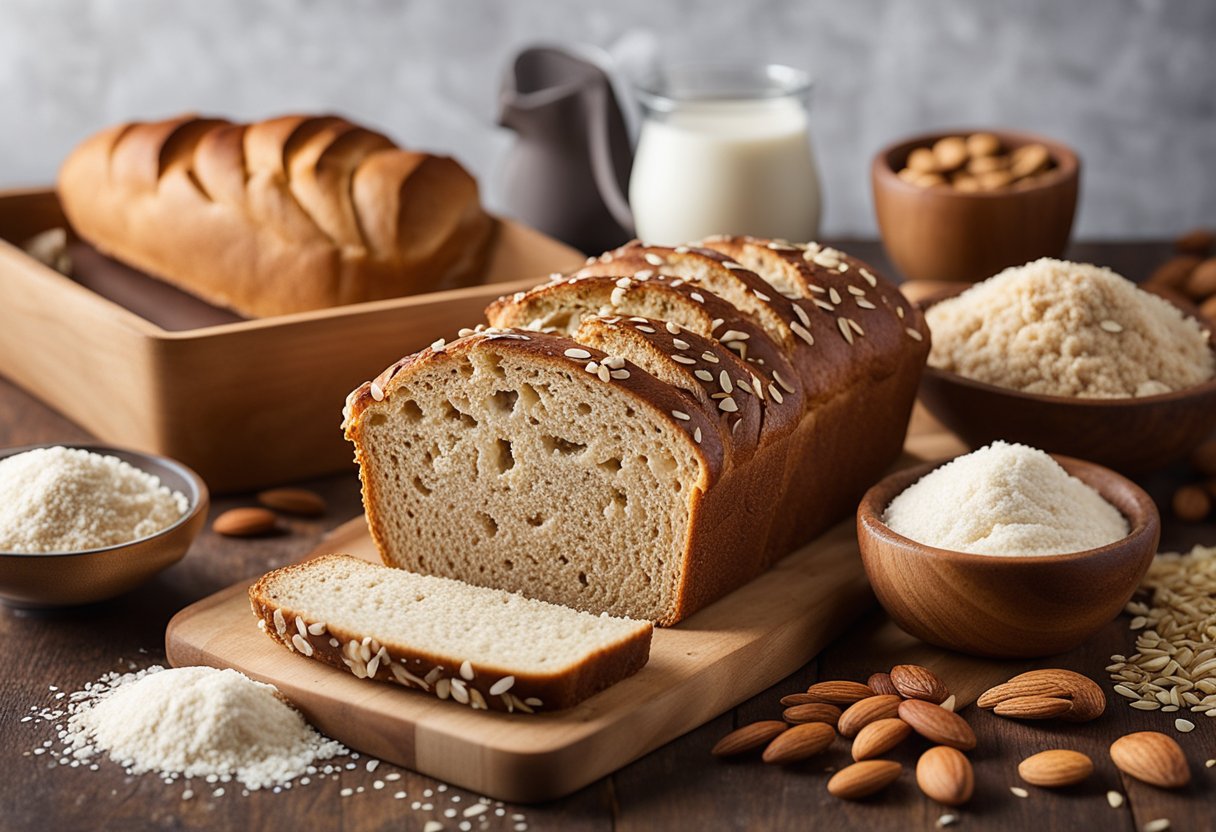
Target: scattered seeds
[1018, 791]
[1115, 799]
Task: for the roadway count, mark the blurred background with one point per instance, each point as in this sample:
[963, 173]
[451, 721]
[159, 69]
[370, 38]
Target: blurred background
[1130, 83]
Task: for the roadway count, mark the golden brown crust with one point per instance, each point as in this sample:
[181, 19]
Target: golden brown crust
[280, 216]
[416, 668]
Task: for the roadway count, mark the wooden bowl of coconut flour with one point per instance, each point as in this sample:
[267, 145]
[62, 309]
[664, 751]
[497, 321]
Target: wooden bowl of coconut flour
[1007, 605]
[1131, 435]
[68, 578]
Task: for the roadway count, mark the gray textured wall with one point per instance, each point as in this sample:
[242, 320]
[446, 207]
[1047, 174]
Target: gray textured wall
[1131, 83]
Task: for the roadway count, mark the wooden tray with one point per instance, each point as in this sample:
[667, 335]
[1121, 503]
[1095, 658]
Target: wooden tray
[246, 403]
[705, 665]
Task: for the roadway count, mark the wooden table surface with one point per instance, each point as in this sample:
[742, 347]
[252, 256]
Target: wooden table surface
[677, 787]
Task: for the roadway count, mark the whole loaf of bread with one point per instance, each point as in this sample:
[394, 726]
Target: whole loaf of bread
[279, 216]
[644, 435]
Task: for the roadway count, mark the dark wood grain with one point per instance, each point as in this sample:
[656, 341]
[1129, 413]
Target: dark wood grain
[677, 787]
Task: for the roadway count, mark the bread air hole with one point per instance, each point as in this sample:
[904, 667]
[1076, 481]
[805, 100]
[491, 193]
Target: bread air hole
[612, 465]
[488, 523]
[411, 411]
[536, 520]
[584, 409]
[504, 459]
[555, 444]
[450, 411]
[421, 487]
[504, 401]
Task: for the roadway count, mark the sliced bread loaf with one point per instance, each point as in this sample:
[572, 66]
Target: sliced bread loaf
[484, 648]
[532, 463]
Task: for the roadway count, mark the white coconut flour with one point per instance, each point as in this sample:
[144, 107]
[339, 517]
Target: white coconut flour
[194, 722]
[1005, 499]
[221, 733]
[1069, 329]
[72, 500]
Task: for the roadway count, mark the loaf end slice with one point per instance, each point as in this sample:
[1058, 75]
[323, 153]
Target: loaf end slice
[484, 648]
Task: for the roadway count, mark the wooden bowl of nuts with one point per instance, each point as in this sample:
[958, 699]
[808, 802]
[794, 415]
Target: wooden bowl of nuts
[962, 205]
[1009, 605]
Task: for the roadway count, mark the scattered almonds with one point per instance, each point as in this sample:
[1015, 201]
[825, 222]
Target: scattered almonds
[937, 724]
[916, 682]
[862, 713]
[879, 737]
[863, 779]
[1056, 768]
[944, 774]
[245, 522]
[799, 743]
[299, 501]
[748, 738]
[1153, 758]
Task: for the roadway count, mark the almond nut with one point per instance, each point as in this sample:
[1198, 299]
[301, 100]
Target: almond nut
[839, 692]
[916, 682]
[1175, 272]
[812, 712]
[936, 724]
[1191, 503]
[881, 684]
[299, 501]
[1197, 241]
[797, 699]
[983, 144]
[1088, 699]
[1203, 458]
[860, 714]
[245, 522]
[863, 779]
[798, 743]
[944, 774]
[1202, 281]
[748, 738]
[879, 737]
[1153, 758]
[1033, 707]
[1208, 309]
[1056, 768]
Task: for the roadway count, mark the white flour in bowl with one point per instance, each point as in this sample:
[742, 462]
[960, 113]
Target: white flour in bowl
[72, 500]
[1005, 499]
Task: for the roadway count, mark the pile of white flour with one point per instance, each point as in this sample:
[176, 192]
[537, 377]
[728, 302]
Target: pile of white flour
[195, 722]
[1005, 499]
[72, 500]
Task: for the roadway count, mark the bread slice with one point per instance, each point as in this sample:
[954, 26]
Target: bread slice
[529, 462]
[484, 648]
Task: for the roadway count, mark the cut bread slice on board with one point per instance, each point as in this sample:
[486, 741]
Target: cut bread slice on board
[484, 648]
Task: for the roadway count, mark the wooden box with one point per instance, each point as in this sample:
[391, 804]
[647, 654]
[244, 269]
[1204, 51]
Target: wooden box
[246, 403]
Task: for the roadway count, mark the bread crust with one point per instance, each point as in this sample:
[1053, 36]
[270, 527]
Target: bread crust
[411, 666]
[280, 216]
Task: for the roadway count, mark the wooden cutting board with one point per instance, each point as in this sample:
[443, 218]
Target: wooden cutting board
[709, 663]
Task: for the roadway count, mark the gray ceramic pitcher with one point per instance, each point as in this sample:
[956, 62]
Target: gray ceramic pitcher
[568, 172]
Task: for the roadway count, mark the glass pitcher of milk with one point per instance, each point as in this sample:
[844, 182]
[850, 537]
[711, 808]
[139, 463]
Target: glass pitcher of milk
[725, 150]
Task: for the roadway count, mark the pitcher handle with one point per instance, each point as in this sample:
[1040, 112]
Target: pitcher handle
[603, 169]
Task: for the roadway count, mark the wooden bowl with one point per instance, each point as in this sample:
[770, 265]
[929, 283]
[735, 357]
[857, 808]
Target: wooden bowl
[61, 579]
[1019, 606]
[1130, 435]
[943, 234]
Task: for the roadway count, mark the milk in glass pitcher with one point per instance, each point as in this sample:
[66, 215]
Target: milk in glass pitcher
[725, 149]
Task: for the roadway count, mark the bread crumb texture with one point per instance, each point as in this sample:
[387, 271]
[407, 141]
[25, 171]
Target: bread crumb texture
[1057, 328]
[72, 500]
[1005, 499]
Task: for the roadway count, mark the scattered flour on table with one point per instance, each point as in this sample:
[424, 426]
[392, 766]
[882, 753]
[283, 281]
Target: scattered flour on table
[1005, 499]
[213, 728]
[71, 500]
[195, 722]
[1069, 329]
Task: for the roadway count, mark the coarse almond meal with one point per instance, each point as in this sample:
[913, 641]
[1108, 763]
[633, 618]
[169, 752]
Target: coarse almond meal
[1069, 329]
[229, 735]
[1174, 666]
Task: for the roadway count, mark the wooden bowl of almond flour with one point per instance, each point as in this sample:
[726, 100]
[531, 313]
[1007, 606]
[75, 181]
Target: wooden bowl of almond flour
[69, 578]
[1132, 434]
[1006, 605]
